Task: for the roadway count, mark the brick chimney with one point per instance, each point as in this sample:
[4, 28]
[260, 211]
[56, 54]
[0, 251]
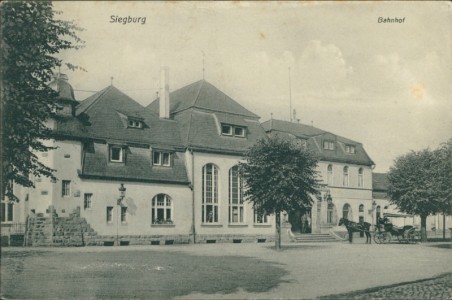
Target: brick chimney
[164, 105]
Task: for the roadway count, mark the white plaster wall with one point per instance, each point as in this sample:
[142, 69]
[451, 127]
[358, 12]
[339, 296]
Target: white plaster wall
[67, 161]
[138, 198]
[224, 163]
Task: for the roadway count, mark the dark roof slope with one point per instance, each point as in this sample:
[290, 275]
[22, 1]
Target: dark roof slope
[380, 182]
[315, 137]
[201, 130]
[138, 166]
[203, 95]
[200, 109]
[108, 110]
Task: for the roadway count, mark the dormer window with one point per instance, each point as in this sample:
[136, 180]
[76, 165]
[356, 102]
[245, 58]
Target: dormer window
[232, 130]
[350, 149]
[161, 158]
[135, 124]
[116, 154]
[328, 145]
[239, 131]
[226, 129]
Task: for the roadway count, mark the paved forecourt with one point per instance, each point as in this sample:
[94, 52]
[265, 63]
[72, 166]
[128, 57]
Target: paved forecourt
[313, 269]
[333, 268]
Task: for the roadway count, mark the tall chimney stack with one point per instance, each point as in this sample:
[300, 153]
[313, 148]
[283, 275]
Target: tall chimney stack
[164, 105]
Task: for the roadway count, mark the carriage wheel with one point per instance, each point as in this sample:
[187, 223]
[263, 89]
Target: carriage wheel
[402, 239]
[378, 238]
[411, 237]
[386, 237]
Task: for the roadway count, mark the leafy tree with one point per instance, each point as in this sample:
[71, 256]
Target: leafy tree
[419, 183]
[31, 39]
[279, 176]
[444, 182]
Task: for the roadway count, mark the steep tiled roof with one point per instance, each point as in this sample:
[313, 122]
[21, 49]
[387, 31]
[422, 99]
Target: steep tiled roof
[380, 186]
[202, 95]
[103, 118]
[200, 109]
[138, 166]
[106, 112]
[315, 137]
[380, 182]
[201, 130]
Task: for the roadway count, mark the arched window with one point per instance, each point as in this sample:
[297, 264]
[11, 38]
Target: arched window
[378, 212]
[360, 177]
[162, 210]
[209, 194]
[345, 181]
[347, 211]
[330, 174]
[361, 208]
[236, 209]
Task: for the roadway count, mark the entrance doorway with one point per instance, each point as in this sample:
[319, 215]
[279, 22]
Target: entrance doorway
[361, 221]
[301, 220]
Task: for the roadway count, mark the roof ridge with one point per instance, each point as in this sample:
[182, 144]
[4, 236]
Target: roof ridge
[197, 94]
[96, 99]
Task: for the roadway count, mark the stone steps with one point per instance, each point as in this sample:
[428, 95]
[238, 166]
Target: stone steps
[314, 238]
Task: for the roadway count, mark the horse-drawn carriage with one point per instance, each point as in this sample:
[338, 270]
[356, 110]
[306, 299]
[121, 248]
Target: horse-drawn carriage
[385, 230]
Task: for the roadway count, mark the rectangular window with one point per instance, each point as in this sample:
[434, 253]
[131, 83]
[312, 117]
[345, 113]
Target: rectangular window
[123, 214]
[236, 208]
[165, 159]
[226, 129]
[116, 154]
[7, 210]
[66, 188]
[260, 217]
[87, 201]
[160, 158]
[109, 214]
[239, 131]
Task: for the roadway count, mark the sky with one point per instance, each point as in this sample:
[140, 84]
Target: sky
[385, 85]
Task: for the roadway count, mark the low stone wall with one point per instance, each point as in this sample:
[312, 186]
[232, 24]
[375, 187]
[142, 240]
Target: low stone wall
[74, 231]
[125, 240]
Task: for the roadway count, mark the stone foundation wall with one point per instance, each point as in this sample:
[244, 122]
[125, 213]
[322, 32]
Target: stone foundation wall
[74, 231]
[233, 238]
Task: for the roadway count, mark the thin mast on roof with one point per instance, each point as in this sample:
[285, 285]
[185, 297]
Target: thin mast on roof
[111, 80]
[203, 70]
[290, 97]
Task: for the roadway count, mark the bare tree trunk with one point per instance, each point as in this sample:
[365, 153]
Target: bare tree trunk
[444, 226]
[424, 228]
[278, 230]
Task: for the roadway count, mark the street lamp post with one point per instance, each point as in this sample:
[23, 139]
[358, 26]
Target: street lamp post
[374, 204]
[122, 194]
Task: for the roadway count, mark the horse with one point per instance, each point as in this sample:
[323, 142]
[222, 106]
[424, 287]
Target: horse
[356, 227]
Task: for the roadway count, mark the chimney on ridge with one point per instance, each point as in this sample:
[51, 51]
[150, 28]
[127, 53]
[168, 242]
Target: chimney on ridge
[164, 105]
